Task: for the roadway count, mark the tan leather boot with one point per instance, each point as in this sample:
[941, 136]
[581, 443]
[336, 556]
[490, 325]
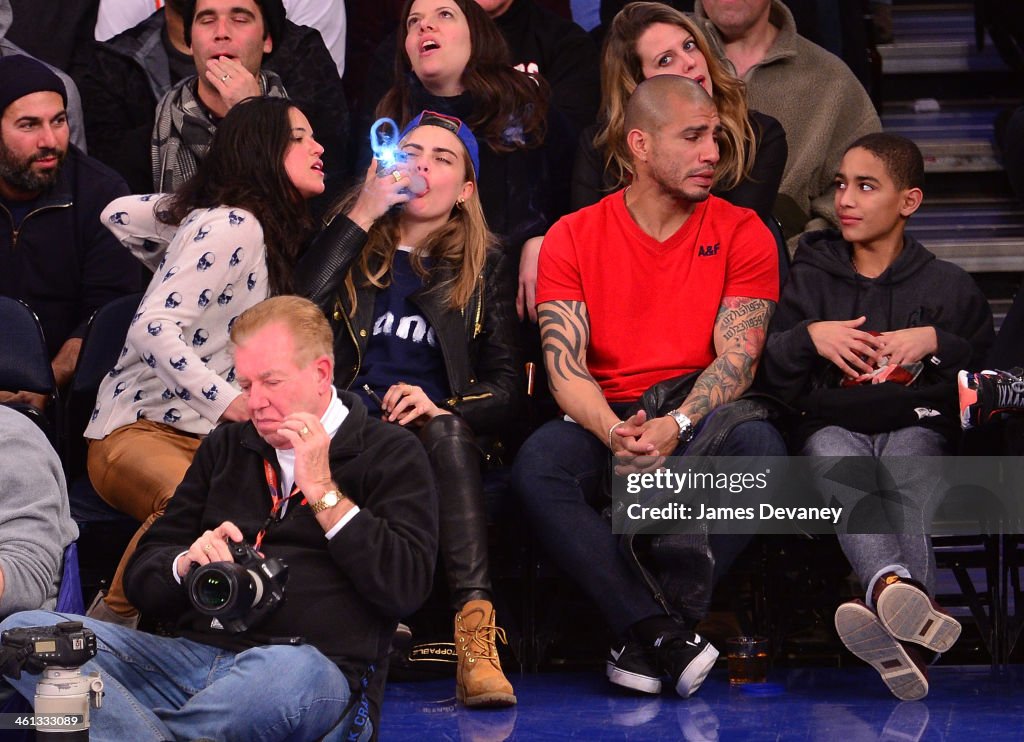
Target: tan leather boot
[479, 680]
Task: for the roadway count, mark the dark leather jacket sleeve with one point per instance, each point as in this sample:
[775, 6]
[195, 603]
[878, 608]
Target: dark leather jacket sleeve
[320, 272]
[497, 384]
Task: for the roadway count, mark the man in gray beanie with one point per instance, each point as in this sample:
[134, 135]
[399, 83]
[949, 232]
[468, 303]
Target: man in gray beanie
[55, 255]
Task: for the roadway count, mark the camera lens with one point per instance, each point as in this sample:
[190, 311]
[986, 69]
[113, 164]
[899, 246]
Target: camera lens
[223, 589]
[213, 590]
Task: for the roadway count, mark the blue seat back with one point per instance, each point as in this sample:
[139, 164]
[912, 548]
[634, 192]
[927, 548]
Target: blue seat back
[24, 359]
[69, 597]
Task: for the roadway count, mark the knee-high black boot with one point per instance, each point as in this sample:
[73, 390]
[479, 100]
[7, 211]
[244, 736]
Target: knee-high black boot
[456, 458]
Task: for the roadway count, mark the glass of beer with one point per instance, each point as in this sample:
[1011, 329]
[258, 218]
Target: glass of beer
[748, 659]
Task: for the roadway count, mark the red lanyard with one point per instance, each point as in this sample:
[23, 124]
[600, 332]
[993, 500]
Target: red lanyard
[275, 498]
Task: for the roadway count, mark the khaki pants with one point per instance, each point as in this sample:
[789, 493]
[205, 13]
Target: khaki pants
[136, 470]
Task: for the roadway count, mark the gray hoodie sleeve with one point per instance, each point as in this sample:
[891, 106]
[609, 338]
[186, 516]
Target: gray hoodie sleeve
[35, 519]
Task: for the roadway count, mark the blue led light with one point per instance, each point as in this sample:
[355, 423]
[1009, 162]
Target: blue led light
[385, 143]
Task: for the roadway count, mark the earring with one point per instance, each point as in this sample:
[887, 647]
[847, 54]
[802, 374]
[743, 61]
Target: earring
[459, 202]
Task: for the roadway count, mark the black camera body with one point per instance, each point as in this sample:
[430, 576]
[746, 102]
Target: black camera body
[241, 593]
[67, 644]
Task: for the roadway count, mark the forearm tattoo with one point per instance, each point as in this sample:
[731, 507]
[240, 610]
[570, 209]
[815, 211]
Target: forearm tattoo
[565, 334]
[740, 330]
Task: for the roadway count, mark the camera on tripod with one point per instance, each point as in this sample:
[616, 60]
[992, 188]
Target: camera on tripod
[62, 693]
[241, 593]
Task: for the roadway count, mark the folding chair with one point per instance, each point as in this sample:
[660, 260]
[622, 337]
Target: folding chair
[103, 531]
[25, 364]
[101, 349]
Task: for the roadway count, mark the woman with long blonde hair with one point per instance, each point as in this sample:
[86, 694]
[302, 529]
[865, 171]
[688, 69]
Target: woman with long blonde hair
[425, 332]
[650, 38]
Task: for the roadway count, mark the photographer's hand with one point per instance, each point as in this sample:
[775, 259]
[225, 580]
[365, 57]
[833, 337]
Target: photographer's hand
[312, 464]
[212, 546]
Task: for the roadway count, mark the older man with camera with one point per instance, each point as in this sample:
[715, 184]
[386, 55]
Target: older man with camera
[289, 551]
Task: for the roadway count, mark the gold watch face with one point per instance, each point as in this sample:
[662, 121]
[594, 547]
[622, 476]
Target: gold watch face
[329, 500]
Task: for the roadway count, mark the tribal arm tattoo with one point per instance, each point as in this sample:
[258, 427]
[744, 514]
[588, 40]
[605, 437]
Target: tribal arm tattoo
[564, 336]
[740, 330]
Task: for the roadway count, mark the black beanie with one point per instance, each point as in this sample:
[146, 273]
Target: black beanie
[21, 76]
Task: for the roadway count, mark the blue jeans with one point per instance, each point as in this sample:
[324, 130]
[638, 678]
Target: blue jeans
[161, 688]
[557, 476]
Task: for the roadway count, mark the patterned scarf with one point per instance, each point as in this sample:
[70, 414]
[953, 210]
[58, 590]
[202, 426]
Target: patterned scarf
[183, 132]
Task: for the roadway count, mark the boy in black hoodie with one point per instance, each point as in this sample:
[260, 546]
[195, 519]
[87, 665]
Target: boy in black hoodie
[866, 342]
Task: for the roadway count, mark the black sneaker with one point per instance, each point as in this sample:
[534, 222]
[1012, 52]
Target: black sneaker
[634, 666]
[686, 658]
[985, 394]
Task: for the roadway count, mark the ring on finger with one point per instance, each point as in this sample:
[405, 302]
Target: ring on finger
[207, 548]
[305, 431]
[225, 77]
[397, 175]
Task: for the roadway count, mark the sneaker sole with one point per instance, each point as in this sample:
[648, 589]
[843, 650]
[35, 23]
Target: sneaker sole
[863, 634]
[908, 614]
[968, 397]
[632, 680]
[691, 678]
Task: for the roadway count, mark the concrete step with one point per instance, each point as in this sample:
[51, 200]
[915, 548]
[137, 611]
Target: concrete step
[980, 235]
[956, 138]
[935, 53]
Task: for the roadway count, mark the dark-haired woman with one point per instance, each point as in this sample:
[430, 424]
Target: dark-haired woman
[451, 58]
[422, 308]
[223, 242]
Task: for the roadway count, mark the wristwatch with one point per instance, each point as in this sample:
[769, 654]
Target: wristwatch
[329, 500]
[685, 426]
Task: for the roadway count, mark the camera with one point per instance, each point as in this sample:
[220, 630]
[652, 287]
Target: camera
[241, 593]
[63, 695]
[68, 644]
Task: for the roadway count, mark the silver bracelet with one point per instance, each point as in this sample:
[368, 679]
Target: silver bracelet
[612, 430]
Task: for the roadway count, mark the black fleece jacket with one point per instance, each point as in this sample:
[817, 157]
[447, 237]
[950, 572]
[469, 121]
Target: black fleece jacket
[345, 595]
[60, 259]
[917, 290]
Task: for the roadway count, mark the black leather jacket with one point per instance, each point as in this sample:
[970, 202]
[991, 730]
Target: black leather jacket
[480, 344]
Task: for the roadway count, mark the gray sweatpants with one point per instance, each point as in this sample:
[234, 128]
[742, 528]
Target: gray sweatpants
[908, 549]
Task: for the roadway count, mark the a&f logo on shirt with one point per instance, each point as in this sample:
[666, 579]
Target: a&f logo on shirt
[707, 251]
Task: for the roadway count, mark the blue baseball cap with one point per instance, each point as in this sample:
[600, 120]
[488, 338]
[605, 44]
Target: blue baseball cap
[455, 126]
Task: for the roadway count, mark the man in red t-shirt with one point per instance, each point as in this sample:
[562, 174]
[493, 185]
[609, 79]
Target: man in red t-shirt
[651, 283]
